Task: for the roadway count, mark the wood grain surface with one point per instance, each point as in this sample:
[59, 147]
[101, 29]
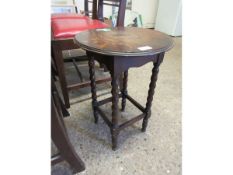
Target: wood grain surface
[124, 41]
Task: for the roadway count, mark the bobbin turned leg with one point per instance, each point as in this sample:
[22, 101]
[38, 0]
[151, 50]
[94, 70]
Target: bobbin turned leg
[115, 110]
[152, 86]
[124, 91]
[93, 86]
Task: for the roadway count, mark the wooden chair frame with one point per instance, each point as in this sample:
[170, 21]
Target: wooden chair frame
[57, 46]
[60, 137]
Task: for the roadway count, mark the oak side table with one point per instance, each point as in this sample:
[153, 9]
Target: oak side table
[119, 49]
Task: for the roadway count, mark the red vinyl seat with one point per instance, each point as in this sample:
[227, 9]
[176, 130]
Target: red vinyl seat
[68, 25]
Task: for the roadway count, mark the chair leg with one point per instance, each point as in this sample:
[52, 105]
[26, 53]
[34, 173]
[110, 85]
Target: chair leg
[63, 108]
[54, 73]
[62, 142]
[77, 70]
[64, 111]
[61, 73]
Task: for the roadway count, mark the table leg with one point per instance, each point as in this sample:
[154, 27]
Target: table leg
[124, 91]
[152, 86]
[115, 110]
[93, 86]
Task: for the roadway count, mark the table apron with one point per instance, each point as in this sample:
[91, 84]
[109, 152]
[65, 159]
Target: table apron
[119, 64]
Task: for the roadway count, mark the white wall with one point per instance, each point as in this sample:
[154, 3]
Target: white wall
[169, 17]
[80, 4]
[148, 10]
[62, 1]
[178, 28]
[62, 6]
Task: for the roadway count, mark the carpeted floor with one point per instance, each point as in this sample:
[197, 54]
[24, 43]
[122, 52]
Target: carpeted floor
[156, 152]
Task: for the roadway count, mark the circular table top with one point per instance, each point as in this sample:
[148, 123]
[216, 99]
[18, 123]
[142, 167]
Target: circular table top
[124, 41]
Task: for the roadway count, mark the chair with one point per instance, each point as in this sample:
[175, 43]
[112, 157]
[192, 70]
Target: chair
[121, 4]
[64, 28]
[60, 137]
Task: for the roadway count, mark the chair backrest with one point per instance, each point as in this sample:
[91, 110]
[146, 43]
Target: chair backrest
[121, 4]
[97, 10]
[94, 10]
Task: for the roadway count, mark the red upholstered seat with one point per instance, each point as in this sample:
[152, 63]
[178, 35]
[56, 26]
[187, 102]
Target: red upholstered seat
[69, 26]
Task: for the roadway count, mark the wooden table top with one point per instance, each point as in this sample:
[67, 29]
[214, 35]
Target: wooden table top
[124, 41]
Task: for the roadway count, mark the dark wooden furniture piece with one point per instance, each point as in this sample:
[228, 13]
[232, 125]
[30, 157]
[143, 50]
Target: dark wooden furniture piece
[60, 136]
[120, 49]
[64, 27]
